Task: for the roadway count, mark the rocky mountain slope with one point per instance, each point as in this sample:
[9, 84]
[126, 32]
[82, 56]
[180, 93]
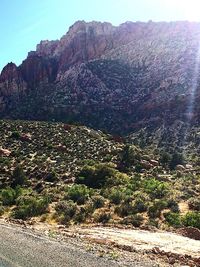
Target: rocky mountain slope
[118, 79]
[72, 174]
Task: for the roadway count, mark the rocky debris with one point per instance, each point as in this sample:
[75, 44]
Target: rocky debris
[174, 248]
[4, 152]
[180, 168]
[174, 258]
[26, 137]
[154, 162]
[67, 127]
[188, 166]
[190, 232]
[146, 164]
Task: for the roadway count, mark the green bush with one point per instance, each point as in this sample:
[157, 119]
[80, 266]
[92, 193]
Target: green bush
[155, 188]
[177, 159]
[124, 209]
[80, 216]
[98, 201]
[116, 195]
[99, 175]
[18, 177]
[173, 205]
[15, 135]
[173, 219]
[29, 206]
[165, 159]
[138, 168]
[129, 156]
[9, 195]
[192, 219]
[78, 193]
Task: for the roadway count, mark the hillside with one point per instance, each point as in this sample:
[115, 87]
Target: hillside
[69, 174]
[119, 79]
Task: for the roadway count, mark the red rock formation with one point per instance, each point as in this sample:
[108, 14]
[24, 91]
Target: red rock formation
[115, 78]
[11, 81]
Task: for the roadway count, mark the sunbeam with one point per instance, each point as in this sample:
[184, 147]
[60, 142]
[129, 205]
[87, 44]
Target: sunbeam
[191, 102]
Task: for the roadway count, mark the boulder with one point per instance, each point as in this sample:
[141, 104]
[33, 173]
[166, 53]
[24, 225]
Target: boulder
[180, 168]
[5, 152]
[154, 162]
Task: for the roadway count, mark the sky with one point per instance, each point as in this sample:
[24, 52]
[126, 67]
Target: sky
[24, 23]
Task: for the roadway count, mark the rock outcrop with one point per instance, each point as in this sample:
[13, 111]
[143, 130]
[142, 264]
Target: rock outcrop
[119, 79]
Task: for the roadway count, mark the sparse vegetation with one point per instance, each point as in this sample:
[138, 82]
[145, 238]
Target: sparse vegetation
[80, 177]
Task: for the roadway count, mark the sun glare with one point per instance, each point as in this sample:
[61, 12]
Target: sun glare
[190, 9]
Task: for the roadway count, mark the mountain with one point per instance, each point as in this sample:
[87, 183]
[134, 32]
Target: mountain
[119, 79]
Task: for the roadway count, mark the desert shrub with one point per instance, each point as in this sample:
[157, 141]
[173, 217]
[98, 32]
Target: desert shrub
[192, 219]
[116, 195]
[18, 177]
[51, 177]
[124, 209]
[129, 156]
[98, 201]
[103, 217]
[29, 206]
[99, 175]
[165, 159]
[176, 159]
[154, 211]
[138, 168]
[194, 203]
[88, 162]
[80, 216]
[9, 195]
[78, 193]
[4, 161]
[140, 205]
[136, 220]
[153, 222]
[155, 188]
[15, 135]
[66, 210]
[135, 182]
[89, 207]
[173, 205]
[2, 210]
[173, 219]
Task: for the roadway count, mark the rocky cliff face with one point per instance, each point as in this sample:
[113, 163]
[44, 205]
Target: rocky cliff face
[115, 78]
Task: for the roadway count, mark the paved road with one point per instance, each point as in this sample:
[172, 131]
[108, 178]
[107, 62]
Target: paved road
[22, 248]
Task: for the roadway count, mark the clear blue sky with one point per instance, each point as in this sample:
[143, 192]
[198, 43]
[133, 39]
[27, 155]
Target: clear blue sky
[24, 23]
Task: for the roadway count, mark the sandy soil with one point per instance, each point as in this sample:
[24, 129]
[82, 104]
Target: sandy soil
[144, 240]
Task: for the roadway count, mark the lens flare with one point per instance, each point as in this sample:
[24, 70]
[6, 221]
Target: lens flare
[188, 8]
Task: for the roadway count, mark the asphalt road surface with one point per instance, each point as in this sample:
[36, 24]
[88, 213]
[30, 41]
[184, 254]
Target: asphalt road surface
[22, 248]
